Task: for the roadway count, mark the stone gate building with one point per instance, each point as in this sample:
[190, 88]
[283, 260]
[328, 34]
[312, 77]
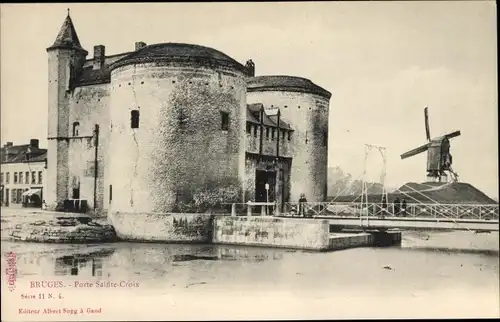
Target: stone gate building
[140, 131]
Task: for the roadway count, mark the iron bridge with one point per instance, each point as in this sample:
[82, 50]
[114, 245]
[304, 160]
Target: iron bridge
[471, 217]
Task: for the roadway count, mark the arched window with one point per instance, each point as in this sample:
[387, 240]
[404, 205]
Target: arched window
[134, 119]
[76, 128]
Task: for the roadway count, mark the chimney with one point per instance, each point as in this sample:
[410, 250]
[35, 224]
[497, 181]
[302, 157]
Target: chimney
[139, 45]
[250, 66]
[34, 143]
[99, 56]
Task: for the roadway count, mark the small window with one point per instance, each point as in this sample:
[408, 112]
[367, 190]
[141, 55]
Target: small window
[27, 177]
[255, 131]
[249, 128]
[40, 177]
[272, 133]
[15, 177]
[289, 135]
[267, 133]
[283, 135]
[7, 177]
[76, 193]
[224, 121]
[110, 193]
[21, 179]
[134, 119]
[1, 177]
[76, 128]
[33, 177]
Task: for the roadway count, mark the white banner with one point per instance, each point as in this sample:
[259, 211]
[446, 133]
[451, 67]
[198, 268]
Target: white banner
[271, 110]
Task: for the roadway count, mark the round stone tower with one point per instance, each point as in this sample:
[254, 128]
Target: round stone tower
[177, 124]
[304, 105]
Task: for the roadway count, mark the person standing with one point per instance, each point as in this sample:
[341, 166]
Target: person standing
[396, 206]
[403, 207]
[302, 201]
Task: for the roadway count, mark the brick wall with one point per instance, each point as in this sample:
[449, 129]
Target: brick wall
[162, 227]
[89, 105]
[268, 231]
[308, 116]
[179, 145]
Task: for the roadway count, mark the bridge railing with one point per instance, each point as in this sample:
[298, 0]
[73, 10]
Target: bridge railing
[442, 211]
[252, 208]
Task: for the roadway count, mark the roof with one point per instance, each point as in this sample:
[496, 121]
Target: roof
[17, 154]
[179, 52]
[91, 76]
[285, 83]
[253, 116]
[67, 37]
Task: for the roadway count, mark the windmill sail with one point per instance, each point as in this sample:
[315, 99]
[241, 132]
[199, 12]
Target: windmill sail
[427, 128]
[452, 134]
[416, 151]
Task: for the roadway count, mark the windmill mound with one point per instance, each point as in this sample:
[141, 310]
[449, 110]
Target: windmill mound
[428, 192]
[444, 193]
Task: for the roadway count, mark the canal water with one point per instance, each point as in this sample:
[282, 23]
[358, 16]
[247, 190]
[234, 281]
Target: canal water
[452, 274]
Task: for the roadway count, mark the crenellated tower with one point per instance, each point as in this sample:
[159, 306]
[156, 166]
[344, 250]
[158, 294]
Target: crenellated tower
[65, 61]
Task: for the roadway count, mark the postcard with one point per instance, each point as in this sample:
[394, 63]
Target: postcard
[249, 161]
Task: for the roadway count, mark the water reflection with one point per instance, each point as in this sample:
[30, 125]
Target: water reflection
[148, 260]
[85, 264]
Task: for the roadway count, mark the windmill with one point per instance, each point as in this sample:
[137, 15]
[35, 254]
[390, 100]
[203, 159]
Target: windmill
[438, 154]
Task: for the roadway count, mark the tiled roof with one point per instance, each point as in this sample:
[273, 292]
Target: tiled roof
[253, 116]
[67, 37]
[90, 76]
[285, 83]
[179, 52]
[17, 154]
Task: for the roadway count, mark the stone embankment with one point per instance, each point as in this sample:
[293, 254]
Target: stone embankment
[77, 230]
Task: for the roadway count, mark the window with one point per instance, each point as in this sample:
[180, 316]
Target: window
[255, 131]
[40, 177]
[33, 177]
[110, 193]
[21, 181]
[15, 177]
[267, 133]
[283, 136]
[76, 193]
[7, 177]
[134, 119]
[249, 128]
[76, 128]
[27, 177]
[224, 121]
[273, 133]
[289, 135]
[1, 177]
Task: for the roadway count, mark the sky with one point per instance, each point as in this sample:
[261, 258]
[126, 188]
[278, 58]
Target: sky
[383, 62]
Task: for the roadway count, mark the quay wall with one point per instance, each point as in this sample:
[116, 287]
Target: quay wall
[308, 234]
[372, 239]
[162, 227]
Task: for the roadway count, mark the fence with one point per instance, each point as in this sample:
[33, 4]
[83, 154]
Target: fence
[442, 211]
[253, 209]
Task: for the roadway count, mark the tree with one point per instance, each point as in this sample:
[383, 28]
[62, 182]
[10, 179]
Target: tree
[341, 183]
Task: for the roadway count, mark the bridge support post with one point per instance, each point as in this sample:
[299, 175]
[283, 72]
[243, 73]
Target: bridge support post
[249, 210]
[263, 210]
[233, 210]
